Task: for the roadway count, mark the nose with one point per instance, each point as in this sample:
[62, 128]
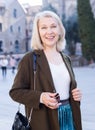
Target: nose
[49, 30]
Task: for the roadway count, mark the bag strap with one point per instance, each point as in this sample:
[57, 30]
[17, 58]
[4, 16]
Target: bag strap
[34, 62]
[34, 70]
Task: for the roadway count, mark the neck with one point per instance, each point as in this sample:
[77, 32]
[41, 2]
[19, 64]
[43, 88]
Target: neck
[53, 56]
[51, 50]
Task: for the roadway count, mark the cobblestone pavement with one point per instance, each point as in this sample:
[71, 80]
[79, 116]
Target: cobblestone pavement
[86, 82]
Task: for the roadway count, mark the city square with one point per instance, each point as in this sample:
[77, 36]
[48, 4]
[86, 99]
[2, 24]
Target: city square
[17, 18]
[85, 77]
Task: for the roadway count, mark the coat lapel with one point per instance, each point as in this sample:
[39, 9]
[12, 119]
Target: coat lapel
[69, 67]
[44, 66]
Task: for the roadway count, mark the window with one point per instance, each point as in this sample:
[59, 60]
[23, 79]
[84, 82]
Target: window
[15, 13]
[16, 46]
[2, 10]
[0, 27]
[1, 44]
[19, 29]
[11, 43]
[11, 28]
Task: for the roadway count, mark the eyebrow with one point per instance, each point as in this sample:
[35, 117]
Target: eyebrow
[50, 24]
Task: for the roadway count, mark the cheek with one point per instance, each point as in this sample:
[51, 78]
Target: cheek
[42, 33]
[58, 31]
[57, 38]
[57, 34]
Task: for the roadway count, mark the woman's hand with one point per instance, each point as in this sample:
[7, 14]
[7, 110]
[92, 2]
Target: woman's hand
[76, 94]
[49, 100]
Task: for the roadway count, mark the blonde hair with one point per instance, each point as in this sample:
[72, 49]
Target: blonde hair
[36, 41]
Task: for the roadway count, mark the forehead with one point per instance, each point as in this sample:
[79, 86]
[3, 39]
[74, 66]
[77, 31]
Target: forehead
[47, 20]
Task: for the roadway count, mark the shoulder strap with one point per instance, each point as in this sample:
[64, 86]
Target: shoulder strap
[34, 69]
[34, 61]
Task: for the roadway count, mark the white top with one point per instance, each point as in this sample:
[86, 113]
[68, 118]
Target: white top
[61, 79]
[4, 62]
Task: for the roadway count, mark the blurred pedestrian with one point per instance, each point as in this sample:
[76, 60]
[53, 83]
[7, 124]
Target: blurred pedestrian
[4, 64]
[12, 63]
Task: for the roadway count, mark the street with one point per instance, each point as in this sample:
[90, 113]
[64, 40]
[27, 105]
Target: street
[85, 77]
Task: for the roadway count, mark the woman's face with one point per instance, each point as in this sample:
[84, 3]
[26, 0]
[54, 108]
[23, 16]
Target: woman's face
[49, 31]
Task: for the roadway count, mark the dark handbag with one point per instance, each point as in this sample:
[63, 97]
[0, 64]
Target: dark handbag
[21, 122]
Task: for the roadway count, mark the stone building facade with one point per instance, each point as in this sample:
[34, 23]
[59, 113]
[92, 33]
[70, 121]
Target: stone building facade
[12, 27]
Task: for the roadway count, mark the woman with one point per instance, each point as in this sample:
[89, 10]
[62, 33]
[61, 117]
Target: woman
[56, 99]
[13, 64]
[4, 64]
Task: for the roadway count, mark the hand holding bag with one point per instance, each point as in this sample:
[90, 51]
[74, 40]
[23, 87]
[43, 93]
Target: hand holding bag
[21, 122]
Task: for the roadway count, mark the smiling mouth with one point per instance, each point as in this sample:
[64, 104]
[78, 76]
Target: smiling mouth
[50, 38]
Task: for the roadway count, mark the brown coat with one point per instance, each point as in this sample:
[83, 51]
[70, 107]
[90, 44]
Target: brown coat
[22, 91]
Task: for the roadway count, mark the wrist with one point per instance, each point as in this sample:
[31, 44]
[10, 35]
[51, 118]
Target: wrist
[41, 101]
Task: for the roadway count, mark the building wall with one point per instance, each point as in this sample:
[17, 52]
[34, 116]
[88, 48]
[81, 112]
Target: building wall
[30, 14]
[13, 27]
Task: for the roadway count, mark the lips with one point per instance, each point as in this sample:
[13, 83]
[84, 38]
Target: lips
[50, 38]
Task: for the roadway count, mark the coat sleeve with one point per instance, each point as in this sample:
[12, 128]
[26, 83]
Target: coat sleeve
[22, 88]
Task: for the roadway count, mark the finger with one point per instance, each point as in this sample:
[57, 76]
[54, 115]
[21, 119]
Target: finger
[53, 95]
[77, 98]
[53, 100]
[76, 90]
[76, 94]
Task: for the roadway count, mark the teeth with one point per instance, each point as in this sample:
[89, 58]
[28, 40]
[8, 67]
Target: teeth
[50, 37]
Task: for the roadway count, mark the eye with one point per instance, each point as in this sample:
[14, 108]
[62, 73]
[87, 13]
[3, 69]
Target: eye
[43, 27]
[53, 26]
